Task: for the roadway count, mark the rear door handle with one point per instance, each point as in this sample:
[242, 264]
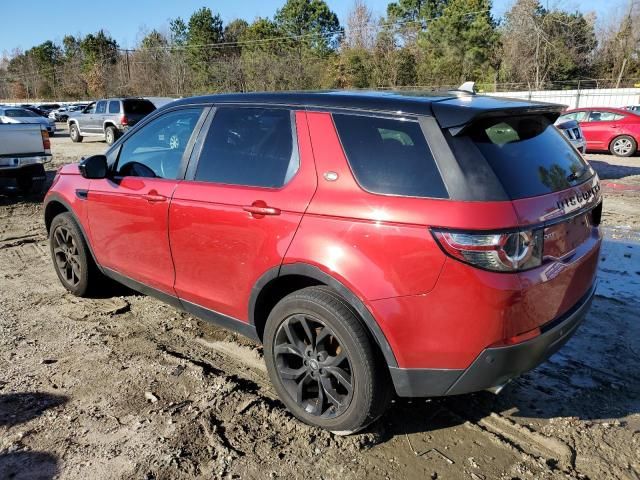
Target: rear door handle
[259, 209]
[154, 197]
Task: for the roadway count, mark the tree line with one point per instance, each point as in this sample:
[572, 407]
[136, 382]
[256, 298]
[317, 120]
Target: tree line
[428, 43]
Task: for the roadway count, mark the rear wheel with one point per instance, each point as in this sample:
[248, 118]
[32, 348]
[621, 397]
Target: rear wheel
[110, 135]
[623, 146]
[74, 133]
[71, 256]
[323, 363]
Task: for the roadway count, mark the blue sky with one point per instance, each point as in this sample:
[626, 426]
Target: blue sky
[28, 23]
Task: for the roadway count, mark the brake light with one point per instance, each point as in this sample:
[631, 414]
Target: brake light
[498, 252]
[46, 141]
[124, 120]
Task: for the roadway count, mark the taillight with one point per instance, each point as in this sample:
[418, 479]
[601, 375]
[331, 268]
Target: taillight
[499, 252]
[46, 141]
[124, 120]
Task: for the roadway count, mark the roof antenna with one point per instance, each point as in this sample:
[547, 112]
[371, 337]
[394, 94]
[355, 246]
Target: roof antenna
[469, 87]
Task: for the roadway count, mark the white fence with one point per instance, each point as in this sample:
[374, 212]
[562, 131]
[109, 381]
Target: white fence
[596, 97]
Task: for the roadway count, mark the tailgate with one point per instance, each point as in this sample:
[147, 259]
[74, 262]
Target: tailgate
[20, 139]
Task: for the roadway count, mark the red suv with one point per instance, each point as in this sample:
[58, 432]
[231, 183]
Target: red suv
[373, 242]
[613, 129]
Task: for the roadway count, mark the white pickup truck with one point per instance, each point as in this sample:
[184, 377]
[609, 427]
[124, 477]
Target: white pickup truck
[24, 149]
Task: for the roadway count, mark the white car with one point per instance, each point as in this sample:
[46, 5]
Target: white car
[22, 115]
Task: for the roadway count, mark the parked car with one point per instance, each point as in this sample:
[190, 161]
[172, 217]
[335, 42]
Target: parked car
[612, 129]
[633, 108]
[572, 131]
[62, 113]
[35, 110]
[21, 115]
[109, 118]
[374, 242]
[24, 149]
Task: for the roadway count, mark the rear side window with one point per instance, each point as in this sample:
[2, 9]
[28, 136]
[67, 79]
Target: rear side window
[249, 146]
[389, 156]
[527, 153]
[114, 106]
[599, 116]
[138, 107]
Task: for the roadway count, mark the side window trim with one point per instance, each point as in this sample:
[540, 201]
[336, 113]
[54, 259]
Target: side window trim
[196, 154]
[188, 149]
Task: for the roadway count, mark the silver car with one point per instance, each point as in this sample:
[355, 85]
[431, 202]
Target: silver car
[22, 115]
[571, 129]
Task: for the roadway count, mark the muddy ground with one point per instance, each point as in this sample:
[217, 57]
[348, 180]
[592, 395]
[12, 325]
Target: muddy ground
[126, 387]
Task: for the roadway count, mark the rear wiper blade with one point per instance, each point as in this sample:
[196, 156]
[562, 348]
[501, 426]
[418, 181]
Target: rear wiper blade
[576, 175]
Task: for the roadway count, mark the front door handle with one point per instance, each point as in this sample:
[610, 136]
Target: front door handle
[259, 209]
[154, 197]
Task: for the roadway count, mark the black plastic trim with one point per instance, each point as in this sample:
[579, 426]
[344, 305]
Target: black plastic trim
[82, 194]
[314, 272]
[143, 288]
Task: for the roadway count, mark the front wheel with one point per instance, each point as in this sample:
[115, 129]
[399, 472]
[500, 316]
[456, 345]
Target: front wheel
[74, 133]
[110, 135]
[623, 146]
[323, 363]
[72, 259]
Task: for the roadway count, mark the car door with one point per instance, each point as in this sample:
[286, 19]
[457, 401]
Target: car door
[86, 117]
[236, 213]
[95, 122]
[128, 211]
[599, 129]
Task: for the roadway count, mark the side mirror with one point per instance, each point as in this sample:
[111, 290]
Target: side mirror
[94, 167]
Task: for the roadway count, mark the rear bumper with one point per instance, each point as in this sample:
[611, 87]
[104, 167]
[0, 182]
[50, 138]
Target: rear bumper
[496, 365]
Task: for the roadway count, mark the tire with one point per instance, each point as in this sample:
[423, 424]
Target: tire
[623, 146]
[74, 133]
[110, 135]
[78, 274]
[344, 363]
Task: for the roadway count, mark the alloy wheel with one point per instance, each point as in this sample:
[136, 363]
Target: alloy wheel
[67, 256]
[622, 146]
[313, 366]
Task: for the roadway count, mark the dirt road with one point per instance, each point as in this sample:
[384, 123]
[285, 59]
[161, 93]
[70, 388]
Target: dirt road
[126, 387]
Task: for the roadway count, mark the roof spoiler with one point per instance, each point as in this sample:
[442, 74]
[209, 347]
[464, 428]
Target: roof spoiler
[457, 114]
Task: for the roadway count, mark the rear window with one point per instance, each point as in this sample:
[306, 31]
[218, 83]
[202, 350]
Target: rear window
[528, 155]
[139, 107]
[389, 156]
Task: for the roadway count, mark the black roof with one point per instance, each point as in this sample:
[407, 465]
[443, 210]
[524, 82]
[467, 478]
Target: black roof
[450, 108]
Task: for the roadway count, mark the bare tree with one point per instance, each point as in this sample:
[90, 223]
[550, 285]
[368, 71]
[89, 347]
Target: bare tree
[361, 29]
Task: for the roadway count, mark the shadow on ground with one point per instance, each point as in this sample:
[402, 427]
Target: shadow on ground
[16, 408]
[607, 171]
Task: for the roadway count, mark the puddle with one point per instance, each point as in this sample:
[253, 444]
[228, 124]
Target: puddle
[619, 270]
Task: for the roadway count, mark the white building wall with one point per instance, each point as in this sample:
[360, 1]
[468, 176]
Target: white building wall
[597, 97]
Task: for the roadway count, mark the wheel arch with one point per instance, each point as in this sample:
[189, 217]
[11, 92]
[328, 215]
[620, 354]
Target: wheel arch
[278, 282]
[55, 205]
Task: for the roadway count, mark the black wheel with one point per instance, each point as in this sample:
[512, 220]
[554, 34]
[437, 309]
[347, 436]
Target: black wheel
[110, 135]
[74, 133]
[623, 146]
[71, 257]
[323, 363]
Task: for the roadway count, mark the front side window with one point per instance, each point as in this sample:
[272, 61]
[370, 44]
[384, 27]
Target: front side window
[101, 106]
[114, 106]
[390, 156]
[91, 108]
[249, 146]
[156, 150]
